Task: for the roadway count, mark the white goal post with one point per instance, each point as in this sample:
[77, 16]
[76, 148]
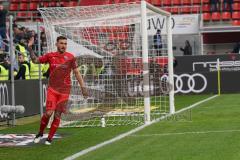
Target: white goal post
[129, 79]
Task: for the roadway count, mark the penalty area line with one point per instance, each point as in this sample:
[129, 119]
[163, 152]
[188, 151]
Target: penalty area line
[121, 136]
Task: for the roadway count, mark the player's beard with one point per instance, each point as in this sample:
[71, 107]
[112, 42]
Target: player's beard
[61, 50]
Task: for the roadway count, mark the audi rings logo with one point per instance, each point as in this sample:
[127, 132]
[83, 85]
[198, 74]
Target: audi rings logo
[190, 85]
[4, 98]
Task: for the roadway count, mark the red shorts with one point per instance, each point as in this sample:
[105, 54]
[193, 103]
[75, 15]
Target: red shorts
[56, 101]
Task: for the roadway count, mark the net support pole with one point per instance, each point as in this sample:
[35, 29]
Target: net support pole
[11, 51]
[170, 64]
[40, 70]
[201, 44]
[146, 86]
[219, 76]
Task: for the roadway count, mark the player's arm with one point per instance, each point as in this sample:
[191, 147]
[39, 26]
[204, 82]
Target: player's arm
[80, 81]
[34, 58]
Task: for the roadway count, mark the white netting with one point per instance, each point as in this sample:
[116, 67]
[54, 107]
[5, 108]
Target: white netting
[107, 41]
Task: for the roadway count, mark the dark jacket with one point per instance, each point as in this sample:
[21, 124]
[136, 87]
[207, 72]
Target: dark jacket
[3, 14]
[22, 70]
[214, 1]
[155, 39]
[236, 48]
[187, 50]
[228, 1]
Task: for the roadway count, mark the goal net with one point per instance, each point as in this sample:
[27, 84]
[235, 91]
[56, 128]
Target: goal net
[127, 68]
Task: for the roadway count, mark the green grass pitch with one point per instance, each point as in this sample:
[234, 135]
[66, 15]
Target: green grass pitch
[211, 131]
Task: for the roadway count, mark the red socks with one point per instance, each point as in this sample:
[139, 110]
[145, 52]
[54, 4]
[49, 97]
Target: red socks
[54, 127]
[44, 123]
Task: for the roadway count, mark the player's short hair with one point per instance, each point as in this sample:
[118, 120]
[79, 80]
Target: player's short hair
[61, 37]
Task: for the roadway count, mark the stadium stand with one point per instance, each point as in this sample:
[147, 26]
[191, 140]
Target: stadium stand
[26, 10]
[23, 9]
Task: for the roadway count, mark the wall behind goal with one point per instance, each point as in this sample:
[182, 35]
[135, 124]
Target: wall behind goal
[193, 75]
[198, 74]
[26, 94]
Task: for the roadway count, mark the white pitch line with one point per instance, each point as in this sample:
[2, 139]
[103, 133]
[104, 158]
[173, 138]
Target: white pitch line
[184, 133]
[121, 136]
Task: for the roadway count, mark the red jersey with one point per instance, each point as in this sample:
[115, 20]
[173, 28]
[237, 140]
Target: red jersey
[61, 66]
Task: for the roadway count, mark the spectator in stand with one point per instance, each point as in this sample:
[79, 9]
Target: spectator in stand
[24, 37]
[157, 40]
[24, 71]
[227, 4]
[21, 48]
[17, 34]
[43, 42]
[40, 5]
[4, 68]
[236, 48]
[214, 5]
[3, 16]
[187, 50]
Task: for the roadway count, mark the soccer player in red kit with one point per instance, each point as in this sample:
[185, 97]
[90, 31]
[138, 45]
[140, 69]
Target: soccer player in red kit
[59, 84]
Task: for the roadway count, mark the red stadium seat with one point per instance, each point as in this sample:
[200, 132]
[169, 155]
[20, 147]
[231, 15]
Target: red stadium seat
[236, 23]
[21, 14]
[23, 7]
[195, 9]
[38, 20]
[196, 1]
[117, 1]
[226, 16]
[156, 2]
[64, 4]
[128, 1]
[29, 15]
[205, 1]
[176, 2]
[149, 1]
[33, 6]
[186, 2]
[167, 2]
[206, 16]
[236, 6]
[45, 4]
[168, 9]
[24, 16]
[35, 15]
[13, 7]
[105, 2]
[74, 3]
[206, 8]
[236, 15]
[216, 16]
[186, 10]
[175, 10]
[52, 4]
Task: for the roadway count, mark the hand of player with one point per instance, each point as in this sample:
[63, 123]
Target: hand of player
[85, 92]
[31, 42]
